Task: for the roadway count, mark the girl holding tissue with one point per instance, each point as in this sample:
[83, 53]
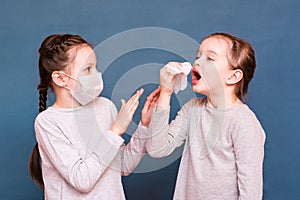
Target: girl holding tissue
[223, 140]
[78, 137]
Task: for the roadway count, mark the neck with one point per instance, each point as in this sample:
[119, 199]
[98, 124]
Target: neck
[223, 102]
[64, 100]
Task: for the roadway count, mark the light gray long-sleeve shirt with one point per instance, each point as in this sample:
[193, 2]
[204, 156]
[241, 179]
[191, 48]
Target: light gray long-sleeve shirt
[223, 150]
[81, 157]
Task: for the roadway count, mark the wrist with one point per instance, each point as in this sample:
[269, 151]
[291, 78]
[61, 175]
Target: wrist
[165, 91]
[145, 124]
[115, 128]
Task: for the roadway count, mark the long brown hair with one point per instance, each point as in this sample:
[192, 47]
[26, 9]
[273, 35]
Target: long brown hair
[53, 56]
[241, 56]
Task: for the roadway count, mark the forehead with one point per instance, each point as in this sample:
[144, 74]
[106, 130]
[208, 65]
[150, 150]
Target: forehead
[81, 56]
[215, 44]
[84, 54]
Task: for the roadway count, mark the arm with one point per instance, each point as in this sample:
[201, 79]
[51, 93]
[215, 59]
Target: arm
[164, 138]
[248, 144]
[78, 166]
[134, 151]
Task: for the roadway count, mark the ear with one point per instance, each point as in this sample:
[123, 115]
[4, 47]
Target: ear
[59, 79]
[234, 77]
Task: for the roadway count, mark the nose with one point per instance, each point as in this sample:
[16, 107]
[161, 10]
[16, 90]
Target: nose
[196, 63]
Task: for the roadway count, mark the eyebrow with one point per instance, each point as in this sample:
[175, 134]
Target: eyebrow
[90, 64]
[213, 52]
[208, 51]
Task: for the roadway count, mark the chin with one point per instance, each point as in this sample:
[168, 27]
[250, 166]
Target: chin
[198, 89]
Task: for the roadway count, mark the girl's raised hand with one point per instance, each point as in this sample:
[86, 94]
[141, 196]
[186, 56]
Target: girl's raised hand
[126, 113]
[150, 102]
[167, 80]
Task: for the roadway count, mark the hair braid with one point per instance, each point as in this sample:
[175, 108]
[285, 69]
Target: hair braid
[42, 100]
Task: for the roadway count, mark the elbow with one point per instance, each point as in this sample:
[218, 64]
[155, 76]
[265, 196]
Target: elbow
[156, 153]
[83, 187]
[83, 182]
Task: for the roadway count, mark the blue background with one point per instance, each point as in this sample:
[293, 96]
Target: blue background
[271, 26]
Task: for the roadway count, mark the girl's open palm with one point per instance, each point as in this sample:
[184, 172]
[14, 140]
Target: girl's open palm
[150, 102]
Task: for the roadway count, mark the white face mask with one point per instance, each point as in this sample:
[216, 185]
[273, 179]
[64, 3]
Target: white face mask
[91, 88]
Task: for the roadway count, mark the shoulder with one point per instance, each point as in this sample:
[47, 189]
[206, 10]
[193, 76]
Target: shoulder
[106, 106]
[104, 102]
[245, 121]
[46, 116]
[47, 122]
[245, 115]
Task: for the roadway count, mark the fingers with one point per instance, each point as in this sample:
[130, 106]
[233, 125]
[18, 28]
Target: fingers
[133, 102]
[154, 93]
[123, 102]
[164, 72]
[154, 97]
[133, 108]
[151, 101]
[175, 63]
[154, 101]
[167, 80]
[136, 96]
[146, 105]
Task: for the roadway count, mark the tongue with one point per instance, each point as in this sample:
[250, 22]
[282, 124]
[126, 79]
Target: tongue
[195, 81]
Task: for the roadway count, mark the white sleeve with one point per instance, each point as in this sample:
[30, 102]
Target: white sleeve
[132, 153]
[248, 144]
[78, 166]
[164, 138]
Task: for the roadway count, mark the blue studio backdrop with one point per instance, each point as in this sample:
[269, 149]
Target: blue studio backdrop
[272, 27]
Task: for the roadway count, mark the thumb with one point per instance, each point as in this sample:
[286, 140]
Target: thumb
[123, 102]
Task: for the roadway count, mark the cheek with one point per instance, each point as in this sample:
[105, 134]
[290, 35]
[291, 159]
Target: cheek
[213, 79]
[210, 73]
[72, 85]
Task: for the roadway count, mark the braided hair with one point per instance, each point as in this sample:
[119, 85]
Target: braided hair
[53, 56]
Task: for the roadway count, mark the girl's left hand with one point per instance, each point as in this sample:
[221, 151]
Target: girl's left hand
[126, 112]
[150, 102]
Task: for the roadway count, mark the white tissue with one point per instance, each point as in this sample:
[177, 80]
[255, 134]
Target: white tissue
[181, 78]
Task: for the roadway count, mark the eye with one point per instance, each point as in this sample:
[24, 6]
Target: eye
[196, 59]
[210, 59]
[88, 69]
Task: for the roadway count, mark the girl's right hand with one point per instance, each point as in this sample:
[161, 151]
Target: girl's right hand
[125, 115]
[150, 102]
[167, 80]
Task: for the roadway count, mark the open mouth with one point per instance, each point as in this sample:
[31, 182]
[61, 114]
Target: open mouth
[195, 76]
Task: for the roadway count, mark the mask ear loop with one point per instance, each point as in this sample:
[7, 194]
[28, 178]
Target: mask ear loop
[72, 77]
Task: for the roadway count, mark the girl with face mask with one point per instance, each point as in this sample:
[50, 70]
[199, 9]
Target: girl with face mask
[79, 152]
[223, 140]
